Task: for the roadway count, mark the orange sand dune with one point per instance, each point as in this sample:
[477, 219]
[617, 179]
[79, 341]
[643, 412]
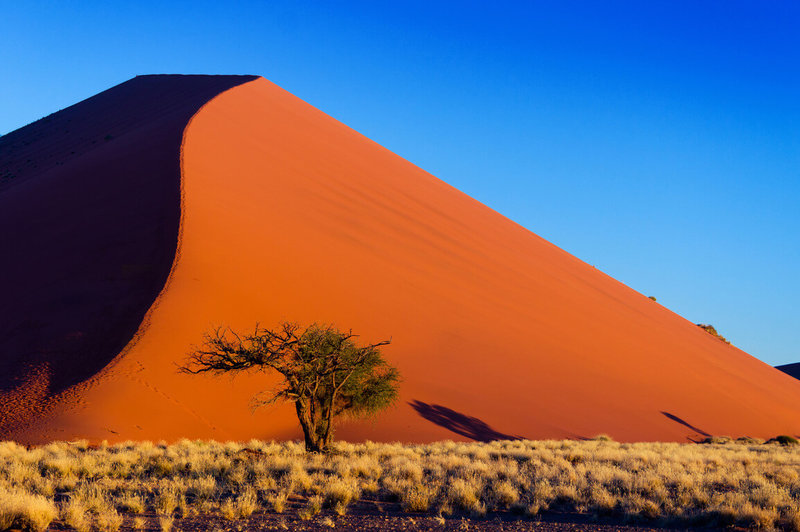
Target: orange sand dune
[288, 214]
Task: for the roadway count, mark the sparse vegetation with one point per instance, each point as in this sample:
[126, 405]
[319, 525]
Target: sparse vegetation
[324, 372]
[783, 439]
[713, 332]
[746, 483]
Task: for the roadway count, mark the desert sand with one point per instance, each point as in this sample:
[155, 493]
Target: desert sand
[260, 208]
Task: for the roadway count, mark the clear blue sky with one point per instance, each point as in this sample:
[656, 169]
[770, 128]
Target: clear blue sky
[658, 141]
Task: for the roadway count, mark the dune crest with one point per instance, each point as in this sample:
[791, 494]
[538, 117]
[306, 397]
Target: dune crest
[286, 213]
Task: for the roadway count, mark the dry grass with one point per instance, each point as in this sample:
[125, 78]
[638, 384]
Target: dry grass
[19, 509]
[746, 483]
[75, 515]
[165, 523]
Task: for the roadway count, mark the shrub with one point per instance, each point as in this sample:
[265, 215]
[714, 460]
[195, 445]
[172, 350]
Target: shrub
[784, 439]
[720, 440]
[712, 331]
[505, 494]
[464, 494]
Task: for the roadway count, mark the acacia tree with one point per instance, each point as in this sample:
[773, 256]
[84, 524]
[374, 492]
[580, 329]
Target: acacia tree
[324, 372]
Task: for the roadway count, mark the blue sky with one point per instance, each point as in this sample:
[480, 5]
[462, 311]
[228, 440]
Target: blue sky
[658, 141]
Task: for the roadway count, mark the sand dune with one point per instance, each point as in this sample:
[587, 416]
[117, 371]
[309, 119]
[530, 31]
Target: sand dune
[791, 369]
[285, 213]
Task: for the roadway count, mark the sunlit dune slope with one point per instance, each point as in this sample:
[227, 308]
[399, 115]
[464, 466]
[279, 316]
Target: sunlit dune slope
[289, 214]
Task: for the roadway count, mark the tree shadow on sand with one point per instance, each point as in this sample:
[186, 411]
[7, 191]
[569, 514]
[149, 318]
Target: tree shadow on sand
[686, 424]
[462, 424]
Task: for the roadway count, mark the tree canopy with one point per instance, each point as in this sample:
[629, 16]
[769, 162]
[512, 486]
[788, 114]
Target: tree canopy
[325, 373]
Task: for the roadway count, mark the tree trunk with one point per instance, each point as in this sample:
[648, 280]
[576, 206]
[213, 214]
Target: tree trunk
[313, 441]
[328, 434]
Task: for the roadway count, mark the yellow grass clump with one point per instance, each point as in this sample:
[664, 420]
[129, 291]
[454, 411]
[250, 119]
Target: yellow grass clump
[20, 509]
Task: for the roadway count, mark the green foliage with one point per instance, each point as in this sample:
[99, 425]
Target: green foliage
[783, 439]
[325, 373]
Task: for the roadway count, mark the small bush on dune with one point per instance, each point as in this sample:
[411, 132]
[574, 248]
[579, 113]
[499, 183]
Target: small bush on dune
[712, 331]
[720, 440]
[783, 439]
[747, 440]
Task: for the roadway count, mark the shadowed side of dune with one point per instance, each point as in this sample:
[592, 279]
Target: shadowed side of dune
[90, 213]
[791, 369]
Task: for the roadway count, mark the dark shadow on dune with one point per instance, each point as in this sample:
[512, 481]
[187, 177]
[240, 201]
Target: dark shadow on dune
[791, 369]
[676, 419]
[89, 225]
[467, 426]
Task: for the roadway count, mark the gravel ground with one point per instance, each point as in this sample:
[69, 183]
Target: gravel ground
[390, 519]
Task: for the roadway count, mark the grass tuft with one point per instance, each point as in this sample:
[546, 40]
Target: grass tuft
[19, 509]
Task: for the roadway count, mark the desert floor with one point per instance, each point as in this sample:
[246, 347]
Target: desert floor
[501, 485]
